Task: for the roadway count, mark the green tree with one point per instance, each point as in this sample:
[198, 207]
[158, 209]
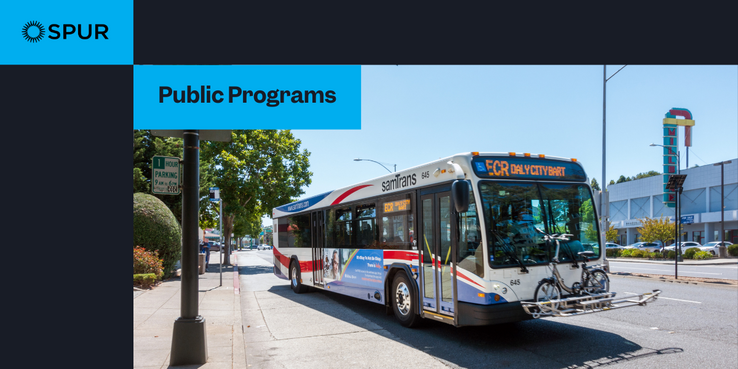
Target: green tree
[247, 225]
[653, 229]
[145, 147]
[612, 234]
[623, 179]
[595, 185]
[257, 171]
[650, 173]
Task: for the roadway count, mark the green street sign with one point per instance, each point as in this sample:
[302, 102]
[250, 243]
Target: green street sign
[165, 175]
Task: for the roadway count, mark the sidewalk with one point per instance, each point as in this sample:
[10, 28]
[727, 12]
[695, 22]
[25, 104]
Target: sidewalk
[154, 313]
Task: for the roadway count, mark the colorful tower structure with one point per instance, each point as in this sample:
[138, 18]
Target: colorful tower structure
[671, 146]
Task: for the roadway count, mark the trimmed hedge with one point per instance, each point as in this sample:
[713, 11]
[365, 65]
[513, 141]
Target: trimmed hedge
[733, 250]
[702, 255]
[144, 280]
[689, 254]
[156, 228]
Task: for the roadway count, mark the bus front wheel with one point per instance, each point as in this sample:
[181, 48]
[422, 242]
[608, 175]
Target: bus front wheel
[403, 300]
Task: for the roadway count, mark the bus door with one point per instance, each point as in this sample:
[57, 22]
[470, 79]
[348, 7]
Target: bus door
[436, 230]
[316, 232]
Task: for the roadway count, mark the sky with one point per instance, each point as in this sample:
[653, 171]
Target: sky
[411, 115]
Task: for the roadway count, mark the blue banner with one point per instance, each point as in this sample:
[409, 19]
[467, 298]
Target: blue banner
[66, 32]
[246, 97]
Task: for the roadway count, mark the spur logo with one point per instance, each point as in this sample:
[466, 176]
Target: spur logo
[34, 31]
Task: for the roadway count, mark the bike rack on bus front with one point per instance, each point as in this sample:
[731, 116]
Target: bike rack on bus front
[587, 304]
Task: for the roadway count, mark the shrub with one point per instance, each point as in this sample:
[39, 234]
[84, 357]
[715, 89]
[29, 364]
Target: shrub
[145, 262]
[655, 255]
[612, 253]
[689, 254]
[626, 253]
[702, 255]
[144, 280]
[733, 250]
[156, 228]
[671, 254]
[638, 253]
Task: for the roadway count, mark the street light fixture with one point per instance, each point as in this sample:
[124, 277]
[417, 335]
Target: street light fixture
[357, 159]
[603, 221]
[722, 252]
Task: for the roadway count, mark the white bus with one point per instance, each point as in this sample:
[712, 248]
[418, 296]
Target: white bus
[461, 240]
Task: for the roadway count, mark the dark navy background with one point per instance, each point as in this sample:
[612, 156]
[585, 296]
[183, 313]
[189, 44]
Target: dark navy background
[68, 129]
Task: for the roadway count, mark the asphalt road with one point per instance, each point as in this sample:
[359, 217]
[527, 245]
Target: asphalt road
[701, 271]
[689, 326]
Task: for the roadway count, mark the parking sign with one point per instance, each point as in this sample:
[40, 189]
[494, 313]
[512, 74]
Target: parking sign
[165, 175]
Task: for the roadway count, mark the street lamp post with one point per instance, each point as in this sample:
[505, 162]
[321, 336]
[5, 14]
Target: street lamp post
[603, 221]
[357, 159]
[722, 251]
[675, 183]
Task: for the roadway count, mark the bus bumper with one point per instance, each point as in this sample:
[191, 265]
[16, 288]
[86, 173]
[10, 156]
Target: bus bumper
[473, 314]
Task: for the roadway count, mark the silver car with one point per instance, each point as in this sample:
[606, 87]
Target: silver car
[685, 245]
[647, 246]
[712, 247]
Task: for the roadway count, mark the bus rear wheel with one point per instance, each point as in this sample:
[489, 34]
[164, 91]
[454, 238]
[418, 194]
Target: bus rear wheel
[296, 279]
[404, 300]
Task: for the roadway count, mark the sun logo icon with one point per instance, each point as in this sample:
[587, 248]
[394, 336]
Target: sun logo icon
[33, 31]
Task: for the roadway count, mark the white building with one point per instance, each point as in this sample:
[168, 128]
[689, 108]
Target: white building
[700, 204]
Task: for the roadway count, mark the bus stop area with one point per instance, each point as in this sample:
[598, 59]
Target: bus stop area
[257, 321]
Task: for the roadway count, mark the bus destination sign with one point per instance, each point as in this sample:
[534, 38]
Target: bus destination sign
[393, 206]
[528, 168]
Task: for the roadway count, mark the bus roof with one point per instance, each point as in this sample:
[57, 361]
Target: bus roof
[435, 172]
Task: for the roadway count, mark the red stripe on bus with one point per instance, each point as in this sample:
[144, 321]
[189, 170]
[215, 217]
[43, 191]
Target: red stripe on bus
[401, 255]
[461, 274]
[305, 266]
[347, 193]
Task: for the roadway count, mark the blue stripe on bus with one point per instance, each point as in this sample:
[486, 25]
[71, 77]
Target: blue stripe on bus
[303, 204]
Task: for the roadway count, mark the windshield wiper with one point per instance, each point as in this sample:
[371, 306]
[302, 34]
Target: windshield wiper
[510, 254]
[571, 255]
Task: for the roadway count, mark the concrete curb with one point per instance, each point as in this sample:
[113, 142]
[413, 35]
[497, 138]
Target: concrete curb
[728, 261]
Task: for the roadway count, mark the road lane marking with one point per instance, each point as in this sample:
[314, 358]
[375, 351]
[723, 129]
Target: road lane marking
[667, 298]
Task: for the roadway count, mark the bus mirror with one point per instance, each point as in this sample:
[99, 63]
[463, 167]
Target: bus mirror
[460, 192]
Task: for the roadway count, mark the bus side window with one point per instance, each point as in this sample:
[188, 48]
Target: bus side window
[366, 226]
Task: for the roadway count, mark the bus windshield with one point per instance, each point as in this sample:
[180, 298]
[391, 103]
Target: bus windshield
[518, 214]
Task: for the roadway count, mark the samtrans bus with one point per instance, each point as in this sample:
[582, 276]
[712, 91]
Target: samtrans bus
[464, 240]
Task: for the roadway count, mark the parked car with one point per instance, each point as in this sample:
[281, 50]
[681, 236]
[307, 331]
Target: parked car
[646, 246]
[264, 247]
[685, 245]
[214, 246]
[613, 246]
[712, 247]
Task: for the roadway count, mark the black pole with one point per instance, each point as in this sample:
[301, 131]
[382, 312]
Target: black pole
[722, 204]
[676, 235]
[188, 340]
